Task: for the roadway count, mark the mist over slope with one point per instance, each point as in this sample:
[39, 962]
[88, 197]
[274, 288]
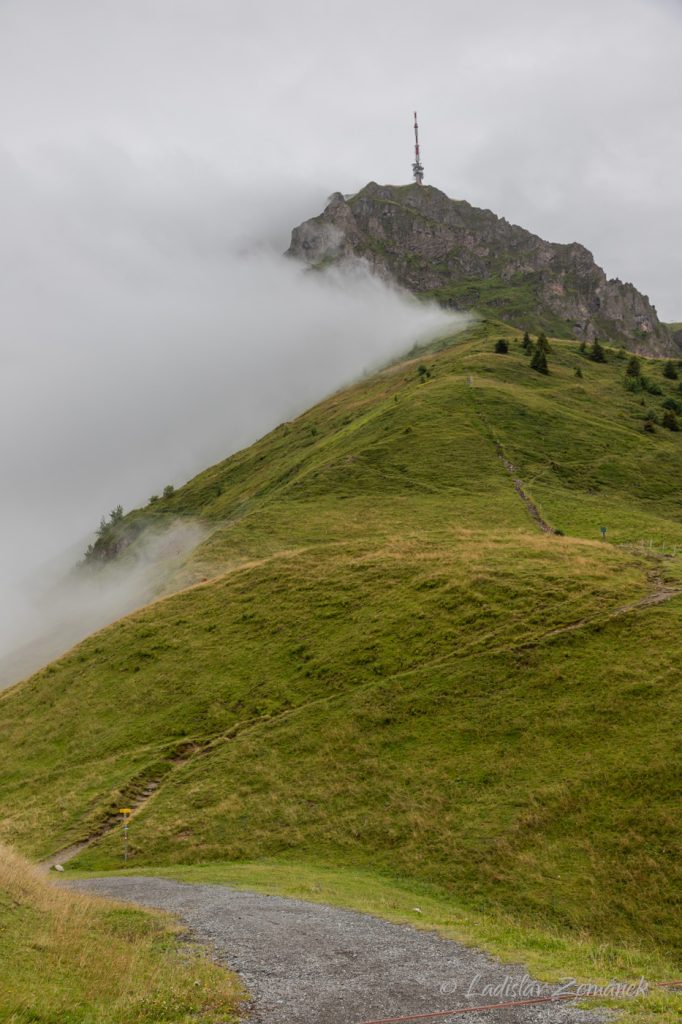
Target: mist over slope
[148, 327]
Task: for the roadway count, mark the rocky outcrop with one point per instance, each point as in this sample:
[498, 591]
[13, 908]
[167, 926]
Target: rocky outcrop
[468, 258]
[676, 332]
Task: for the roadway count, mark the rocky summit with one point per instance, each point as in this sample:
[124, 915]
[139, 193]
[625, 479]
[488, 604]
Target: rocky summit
[471, 259]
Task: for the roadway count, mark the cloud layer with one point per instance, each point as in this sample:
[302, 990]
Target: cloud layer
[142, 339]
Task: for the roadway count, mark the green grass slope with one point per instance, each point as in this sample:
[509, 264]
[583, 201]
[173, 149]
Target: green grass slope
[382, 660]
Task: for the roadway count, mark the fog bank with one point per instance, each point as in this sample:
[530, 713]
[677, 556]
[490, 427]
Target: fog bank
[149, 327]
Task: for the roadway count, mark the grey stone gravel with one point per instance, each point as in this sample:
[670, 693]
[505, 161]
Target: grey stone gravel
[306, 963]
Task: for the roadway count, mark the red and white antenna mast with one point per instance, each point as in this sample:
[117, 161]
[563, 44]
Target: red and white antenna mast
[417, 167]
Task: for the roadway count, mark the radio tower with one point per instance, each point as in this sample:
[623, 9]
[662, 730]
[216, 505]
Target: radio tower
[417, 167]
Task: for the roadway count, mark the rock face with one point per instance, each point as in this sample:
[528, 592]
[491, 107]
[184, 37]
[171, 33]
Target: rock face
[467, 258]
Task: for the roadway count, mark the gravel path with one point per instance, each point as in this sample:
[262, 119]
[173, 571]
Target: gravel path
[305, 963]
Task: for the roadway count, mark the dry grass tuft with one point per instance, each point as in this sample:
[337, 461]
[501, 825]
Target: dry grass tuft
[75, 958]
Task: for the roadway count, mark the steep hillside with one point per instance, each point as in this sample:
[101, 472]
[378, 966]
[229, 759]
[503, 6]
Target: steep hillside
[404, 645]
[469, 258]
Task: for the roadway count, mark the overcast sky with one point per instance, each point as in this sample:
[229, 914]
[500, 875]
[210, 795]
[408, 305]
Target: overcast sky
[154, 155]
[562, 117]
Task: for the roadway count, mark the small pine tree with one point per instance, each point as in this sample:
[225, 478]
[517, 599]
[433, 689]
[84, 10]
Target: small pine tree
[578, 372]
[670, 420]
[527, 343]
[634, 367]
[501, 346]
[582, 347]
[539, 361]
[597, 353]
[116, 515]
[542, 342]
[669, 370]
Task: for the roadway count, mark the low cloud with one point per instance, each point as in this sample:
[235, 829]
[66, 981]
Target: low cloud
[149, 327]
[60, 605]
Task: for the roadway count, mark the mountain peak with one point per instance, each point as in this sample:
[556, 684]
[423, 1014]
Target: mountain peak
[468, 258]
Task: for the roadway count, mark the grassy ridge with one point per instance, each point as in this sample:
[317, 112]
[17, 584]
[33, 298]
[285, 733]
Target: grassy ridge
[79, 960]
[512, 777]
[384, 662]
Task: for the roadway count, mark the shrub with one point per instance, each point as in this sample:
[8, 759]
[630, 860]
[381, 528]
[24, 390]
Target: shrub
[539, 361]
[105, 525]
[153, 498]
[670, 403]
[168, 491]
[597, 353]
[634, 367]
[578, 372]
[423, 372]
[652, 416]
[642, 383]
[501, 346]
[670, 420]
[669, 370]
[649, 426]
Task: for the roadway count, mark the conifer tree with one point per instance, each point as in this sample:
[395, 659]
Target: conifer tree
[634, 367]
[539, 361]
[597, 353]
